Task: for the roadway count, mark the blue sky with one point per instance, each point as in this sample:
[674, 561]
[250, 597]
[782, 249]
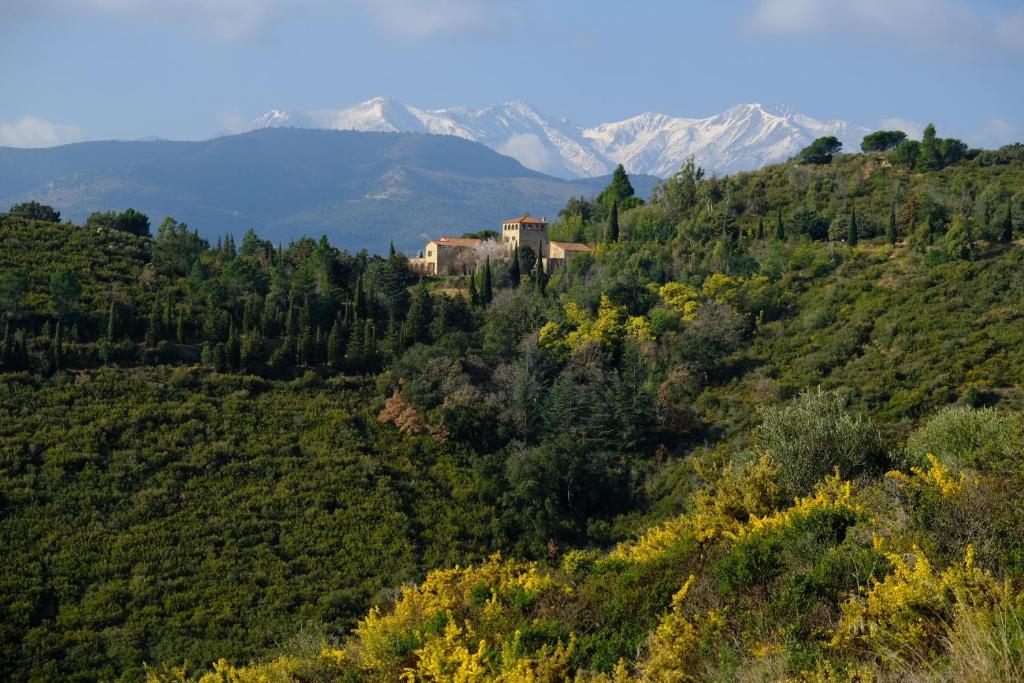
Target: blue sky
[188, 69]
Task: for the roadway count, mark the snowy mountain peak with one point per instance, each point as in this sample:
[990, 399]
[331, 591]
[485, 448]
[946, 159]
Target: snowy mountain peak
[742, 137]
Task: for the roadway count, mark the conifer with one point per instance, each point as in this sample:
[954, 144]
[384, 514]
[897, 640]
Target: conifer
[1008, 224]
[336, 344]
[354, 349]
[474, 295]
[613, 223]
[514, 274]
[359, 299]
[179, 333]
[233, 350]
[487, 290]
[760, 228]
[851, 236]
[891, 229]
[780, 228]
[7, 349]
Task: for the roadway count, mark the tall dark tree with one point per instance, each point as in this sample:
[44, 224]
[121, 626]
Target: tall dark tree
[233, 350]
[65, 291]
[851, 235]
[359, 299]
[179, 332]
[891, 230]
[760, 228]
[34, 211]
[613, 223]
[821, 151]
[1008, 224]
[780, 228]
[7, 349]
[619, 190]
[416, 328]
[930, 155]
[57, 348]
[112, 323]
[336, 344]
[474, 295]
[514, 274]
[487, 286]
[153, 326]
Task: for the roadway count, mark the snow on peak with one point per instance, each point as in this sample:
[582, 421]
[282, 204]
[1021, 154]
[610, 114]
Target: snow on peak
[742, 137]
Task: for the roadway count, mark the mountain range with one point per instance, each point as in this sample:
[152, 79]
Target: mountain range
[360, 189]
[744, 137]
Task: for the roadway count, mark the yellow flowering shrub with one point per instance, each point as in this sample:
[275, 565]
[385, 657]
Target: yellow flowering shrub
[680, 298]
[907, 614]
[387, 642]
[937, 475]
[831, 494]
[721, 287]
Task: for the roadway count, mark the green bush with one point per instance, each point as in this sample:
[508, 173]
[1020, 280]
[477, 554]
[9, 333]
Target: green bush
[982, 439]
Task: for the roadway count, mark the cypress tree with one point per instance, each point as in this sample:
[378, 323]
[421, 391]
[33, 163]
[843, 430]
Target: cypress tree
[474, 296]
[780, 228]
[760, 228]
[111, 322]
[391, 249]
[220, 357]
[153, 326]
[851, 236]
[359, 299]
[233, 350]
[7, 349]
[57, 348]
[487, 290]
[180, 331]
[613, 222]
[514, 274]
[890, 230]
[336, 344]
[354, 349]
[289, 320]
[305, 347]
[416, 328]
[1008, 224]
[369, 338]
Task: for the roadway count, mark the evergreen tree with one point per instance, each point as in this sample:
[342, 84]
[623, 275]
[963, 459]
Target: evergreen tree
[359, 299]
[760, 228]
[851, 235]
[780, 228]
[111, 335]
[891, 228]
[416, 328]
[391, 249]
[354, 349]
[57, 348]
[514, 275]
[1008, 224]
[487, 290]
[336, 344]
[369, 338]
[220, 357]
[7, 349]
[474, 296]
[153, 331]
[289, 320]
[613, 223]
[305, 346]
[233, 350]
[180, 331]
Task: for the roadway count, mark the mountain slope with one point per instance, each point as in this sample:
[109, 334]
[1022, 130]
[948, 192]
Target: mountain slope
[360, 189]
[744, 137]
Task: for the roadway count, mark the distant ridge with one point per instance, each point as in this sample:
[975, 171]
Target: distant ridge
[744, 137]
[360, 189]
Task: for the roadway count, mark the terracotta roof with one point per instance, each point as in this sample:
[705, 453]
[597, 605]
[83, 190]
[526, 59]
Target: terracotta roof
[457, 242]
[525, 218]
[572, 246]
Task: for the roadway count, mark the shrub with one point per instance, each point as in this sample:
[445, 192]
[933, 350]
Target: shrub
[982, 439]
[815, 436]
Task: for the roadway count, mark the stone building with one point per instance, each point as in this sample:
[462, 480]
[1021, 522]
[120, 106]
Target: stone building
[443, 256]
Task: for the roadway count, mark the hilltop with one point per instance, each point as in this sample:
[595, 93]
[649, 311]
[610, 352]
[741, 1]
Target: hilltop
[799, 386]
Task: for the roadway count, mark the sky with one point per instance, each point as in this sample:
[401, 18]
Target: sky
[191, 69]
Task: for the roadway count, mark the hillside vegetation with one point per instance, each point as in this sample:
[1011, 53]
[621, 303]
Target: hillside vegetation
[769, 429]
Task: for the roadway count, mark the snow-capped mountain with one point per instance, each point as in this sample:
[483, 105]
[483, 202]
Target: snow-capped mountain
[744, 137]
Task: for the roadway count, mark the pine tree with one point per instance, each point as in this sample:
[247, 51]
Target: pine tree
[336, 344]
[220, 357]
[474, 296]
[851, 236]
[289, 321]
[1008, 224]
[760, 228]
[369, 338]
[487, 290]
[305, 347]
[780, 228]
[233, 350]
[391, 249]
[514, 274]
[613, 222]
[891, 229]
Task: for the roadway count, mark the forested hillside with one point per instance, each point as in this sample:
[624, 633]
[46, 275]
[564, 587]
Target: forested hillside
[771, 428]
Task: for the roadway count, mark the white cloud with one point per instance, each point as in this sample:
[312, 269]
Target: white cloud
[29, 131]
[237, 20]
[929, 25]
[913, 129]
[994, 133]
[422, 18]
